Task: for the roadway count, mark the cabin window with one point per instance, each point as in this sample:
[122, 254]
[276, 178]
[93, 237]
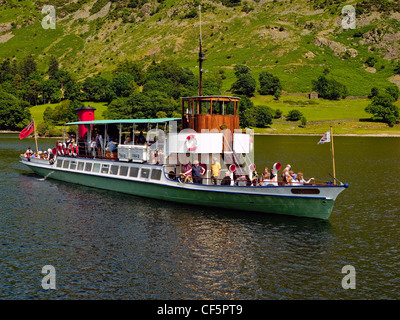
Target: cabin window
[134, 172]
[156, 174]
[88, 166]
[73, 165]
[145, 173]
[96, 167]
[305, 191]
[123, 171]
[114, 170]
[104, 168]
[229, 108]
[217, 107]
[205, 107]
[80, 165]
[66, 164]
[59, 163]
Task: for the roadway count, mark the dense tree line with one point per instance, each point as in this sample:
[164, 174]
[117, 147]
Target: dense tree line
[137, 91]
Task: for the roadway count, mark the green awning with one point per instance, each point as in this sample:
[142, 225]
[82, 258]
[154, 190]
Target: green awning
[122, 121]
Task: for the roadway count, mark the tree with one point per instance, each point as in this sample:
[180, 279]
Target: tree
[97, 89]
[382, 107]
[65, 111]
[264, 116]
[53, 67]
[14, 113]
[294, 115]
[123, 84]
[241, 69]
[244, 85]
[28, 66]
[269, 84]
[135, 68]
[394, 92]
[50, 91]
[329, 88]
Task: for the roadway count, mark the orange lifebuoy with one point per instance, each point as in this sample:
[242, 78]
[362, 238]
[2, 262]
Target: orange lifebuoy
[191, 142]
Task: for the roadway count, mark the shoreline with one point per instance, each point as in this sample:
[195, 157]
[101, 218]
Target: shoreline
[374, 135]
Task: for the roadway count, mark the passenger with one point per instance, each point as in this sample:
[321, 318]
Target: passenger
[197, 172]
[226, 181]
[93, 147]
[28, 152]
[112, 145]
[215, 171]
[301, 180]
[265, 176]
[141, 138]
[128, 141]
[292, 174]
[99, 143]
[285, 173]
[186, 175]
[69, 140]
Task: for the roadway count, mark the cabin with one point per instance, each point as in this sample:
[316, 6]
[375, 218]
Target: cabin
[210, 113]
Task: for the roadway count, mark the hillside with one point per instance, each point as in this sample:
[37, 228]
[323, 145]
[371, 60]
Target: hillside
[296, 40]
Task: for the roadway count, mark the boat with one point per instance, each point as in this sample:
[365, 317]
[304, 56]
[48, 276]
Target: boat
[208, 129]
[154, 165]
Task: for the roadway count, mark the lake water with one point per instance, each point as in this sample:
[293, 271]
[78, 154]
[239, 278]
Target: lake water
[105, 245]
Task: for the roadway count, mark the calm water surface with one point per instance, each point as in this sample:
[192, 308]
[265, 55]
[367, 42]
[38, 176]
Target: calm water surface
[106, 245]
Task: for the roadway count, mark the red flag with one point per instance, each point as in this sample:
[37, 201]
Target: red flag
[27, 131]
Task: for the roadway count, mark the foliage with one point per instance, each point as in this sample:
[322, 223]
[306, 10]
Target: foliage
[62, 113]
[294, 115]
[382, 106]
[97, 89]
[303, 121]
[269, 84]
[329, 88]
[14, 113]
[244, 85]
[370, 61]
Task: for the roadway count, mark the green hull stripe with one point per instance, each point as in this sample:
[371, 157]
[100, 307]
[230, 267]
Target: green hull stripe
[298, 206]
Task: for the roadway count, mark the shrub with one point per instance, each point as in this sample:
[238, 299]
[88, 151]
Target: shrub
[294, 115]
[329, 88]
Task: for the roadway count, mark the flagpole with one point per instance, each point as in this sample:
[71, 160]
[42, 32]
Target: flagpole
[333, 158]
[34, 128]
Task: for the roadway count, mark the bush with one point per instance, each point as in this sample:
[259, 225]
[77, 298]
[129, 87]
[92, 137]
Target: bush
[329, 88]
[303, 121]
[294, 115]
[370, 61]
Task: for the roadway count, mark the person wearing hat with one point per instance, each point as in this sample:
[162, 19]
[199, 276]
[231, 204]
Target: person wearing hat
[197, 172]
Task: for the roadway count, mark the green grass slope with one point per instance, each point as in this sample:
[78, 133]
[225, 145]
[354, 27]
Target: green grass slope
[295, 39]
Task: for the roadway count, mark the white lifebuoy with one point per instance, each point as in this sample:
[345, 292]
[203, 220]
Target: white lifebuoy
[191, 142]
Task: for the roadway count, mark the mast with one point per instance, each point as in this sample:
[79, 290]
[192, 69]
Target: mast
[333, 158]
[201, 57]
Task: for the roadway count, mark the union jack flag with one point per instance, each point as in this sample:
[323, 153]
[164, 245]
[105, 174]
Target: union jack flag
[28, 130]
[326, 138]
